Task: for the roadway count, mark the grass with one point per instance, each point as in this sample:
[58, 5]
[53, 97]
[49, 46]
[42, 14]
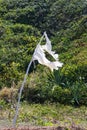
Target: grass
[47, 115]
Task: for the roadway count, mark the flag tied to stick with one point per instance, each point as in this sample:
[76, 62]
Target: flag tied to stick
[39, 55]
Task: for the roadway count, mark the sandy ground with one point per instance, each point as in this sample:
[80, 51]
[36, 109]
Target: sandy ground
[6, 125]
[42, 128]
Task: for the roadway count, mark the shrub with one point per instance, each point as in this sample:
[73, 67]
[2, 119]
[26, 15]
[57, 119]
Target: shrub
[8, 94]
[78, 92]
[61, 95]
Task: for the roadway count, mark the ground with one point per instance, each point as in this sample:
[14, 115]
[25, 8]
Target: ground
[45, 117]
[43, 128]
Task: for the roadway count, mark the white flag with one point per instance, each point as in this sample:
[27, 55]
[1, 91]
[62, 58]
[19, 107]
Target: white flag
[39, 54]
[48, 47]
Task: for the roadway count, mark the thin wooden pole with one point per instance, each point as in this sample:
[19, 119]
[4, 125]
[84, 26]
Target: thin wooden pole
[21, 89]
[20, 93]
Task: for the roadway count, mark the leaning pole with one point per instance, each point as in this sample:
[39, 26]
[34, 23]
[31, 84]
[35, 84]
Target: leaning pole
[21, 89]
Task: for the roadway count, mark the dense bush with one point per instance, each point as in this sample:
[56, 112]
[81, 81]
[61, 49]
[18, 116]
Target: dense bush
[21, 24]
[8, 94]
[13, 53]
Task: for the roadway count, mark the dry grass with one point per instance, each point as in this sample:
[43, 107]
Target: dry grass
[53, 115]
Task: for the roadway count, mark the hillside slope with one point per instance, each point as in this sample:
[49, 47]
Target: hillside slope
[22, 23]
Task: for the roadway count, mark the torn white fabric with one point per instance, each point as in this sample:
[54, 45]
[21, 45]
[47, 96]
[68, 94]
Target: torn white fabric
[48, 47]
[39, 55]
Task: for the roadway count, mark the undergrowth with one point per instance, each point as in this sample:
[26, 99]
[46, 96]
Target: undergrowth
[47, 115]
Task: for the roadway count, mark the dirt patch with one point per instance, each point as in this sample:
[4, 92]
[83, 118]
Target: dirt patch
[43, 128]
[34, 128]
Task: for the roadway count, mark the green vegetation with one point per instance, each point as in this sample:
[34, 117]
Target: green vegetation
[22, 23]
[47, 115]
